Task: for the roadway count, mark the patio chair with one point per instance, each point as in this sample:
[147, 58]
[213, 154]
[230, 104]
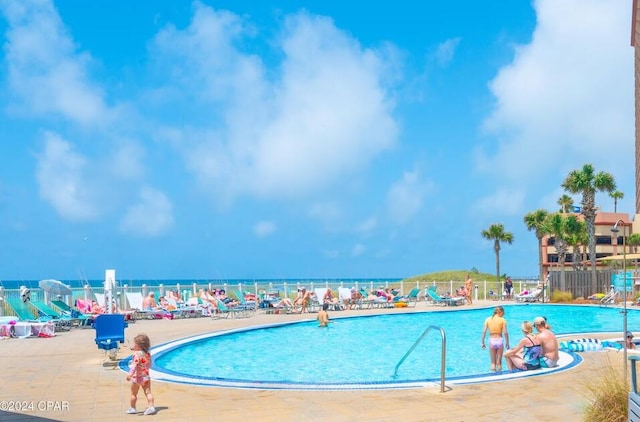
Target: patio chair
[129, 316]
[248, 305]
[411, 299]
[532, 296]
[28, 324]
[84, 320]
[135, 304]
[62, 322]
[224, 311]
[110, 333]
[444, 301]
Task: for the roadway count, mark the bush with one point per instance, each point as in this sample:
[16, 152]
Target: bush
[561, 297]
[607, 395]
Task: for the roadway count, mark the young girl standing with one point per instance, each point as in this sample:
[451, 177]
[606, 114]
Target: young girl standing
[139, 373]
[497, 327]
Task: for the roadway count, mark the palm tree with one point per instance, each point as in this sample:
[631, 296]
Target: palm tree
[634, 240]
[587, 182]
[616, 194]
[556, 225]
[534, 221]
[496, 233]
[565, 202]
[575, 236]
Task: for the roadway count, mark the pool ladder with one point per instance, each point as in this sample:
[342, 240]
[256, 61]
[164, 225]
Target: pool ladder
[443, 358]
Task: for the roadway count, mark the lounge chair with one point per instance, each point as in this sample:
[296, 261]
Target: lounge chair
[101, 298]
[62, 322]
[84, 320]
[532, 296]
[248, 305]
[411, 299]
[224, 311]
[135, 304]
[444, 301]
[110, 333]
[29, 325]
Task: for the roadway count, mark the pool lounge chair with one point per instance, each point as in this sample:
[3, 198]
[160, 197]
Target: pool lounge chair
[84, 320]
[248, 305]
[135, 304]
[444, 301]
[28, 325]
[411, 299]
[62, 322]
[224, 311]
[532, 296]
[101, 298]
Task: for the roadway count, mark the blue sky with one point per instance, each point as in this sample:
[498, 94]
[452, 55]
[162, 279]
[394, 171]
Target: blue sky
[290, 139]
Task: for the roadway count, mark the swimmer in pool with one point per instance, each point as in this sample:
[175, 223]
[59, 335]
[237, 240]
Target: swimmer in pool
[498, 336]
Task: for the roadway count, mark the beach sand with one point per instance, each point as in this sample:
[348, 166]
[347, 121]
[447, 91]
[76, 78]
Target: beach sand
[63, 379]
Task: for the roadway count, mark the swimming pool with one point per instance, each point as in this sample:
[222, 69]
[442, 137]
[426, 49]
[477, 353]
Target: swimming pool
[362, 351]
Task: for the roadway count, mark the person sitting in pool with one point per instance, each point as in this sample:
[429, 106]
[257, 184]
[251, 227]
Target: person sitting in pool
[497, 327]
[549, 342]
[526, 355]
[629, 344]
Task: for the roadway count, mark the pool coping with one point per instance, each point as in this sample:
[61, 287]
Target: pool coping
[568, 360]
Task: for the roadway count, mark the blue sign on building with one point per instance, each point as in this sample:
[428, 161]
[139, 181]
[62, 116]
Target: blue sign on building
[618, 281]
[576, 209]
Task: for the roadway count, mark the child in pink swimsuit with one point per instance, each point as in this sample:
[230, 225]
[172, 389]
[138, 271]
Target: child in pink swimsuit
[139, 373]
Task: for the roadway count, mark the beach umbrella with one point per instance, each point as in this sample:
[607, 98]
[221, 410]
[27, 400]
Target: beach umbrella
[54, 287]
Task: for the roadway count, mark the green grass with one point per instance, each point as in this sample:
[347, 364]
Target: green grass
[455, 275]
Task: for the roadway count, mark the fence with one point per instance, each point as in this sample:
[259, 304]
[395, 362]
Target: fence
[484, 289]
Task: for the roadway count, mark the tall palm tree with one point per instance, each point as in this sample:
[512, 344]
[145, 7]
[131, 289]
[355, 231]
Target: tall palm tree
[616, 194]
[556, 225]
[587, 182]
[496, 233]
[535, 221]
[565, 202]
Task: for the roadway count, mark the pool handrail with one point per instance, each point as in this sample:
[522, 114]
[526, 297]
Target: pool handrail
[443, 358]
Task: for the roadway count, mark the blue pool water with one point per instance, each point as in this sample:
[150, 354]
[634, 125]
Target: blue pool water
[365, 349]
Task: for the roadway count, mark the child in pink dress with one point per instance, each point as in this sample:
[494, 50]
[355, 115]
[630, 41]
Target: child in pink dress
[139, 373]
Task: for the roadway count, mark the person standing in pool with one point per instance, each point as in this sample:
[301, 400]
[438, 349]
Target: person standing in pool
[323, 315]
[549, 342]
[498, 336]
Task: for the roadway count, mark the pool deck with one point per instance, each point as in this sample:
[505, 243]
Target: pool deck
[67, 374]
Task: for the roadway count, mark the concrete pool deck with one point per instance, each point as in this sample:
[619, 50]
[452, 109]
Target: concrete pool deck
[63, 379]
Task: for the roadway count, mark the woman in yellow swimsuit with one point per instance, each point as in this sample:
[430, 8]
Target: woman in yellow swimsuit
[497, 327]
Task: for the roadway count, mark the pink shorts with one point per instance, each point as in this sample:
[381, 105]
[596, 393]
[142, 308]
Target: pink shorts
[496, 343]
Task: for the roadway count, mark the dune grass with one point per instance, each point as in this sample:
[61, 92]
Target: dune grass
[455, 275]
[607, 396]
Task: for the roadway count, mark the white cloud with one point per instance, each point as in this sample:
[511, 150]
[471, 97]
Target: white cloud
[446, 50]
[367, 226]
[324, 117]
[567, 97]
[358, 249]
[46, 73]
[62, 176]
[264, 228]
[152, 216]
[503, 201]
[406, 197]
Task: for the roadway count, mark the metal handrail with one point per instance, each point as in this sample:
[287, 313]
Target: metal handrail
[442, 360]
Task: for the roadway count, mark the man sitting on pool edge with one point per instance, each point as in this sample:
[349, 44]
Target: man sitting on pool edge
[549, 343]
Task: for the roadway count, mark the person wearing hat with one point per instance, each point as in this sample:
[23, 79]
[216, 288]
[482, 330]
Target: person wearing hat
[629, 344]
[549, 342]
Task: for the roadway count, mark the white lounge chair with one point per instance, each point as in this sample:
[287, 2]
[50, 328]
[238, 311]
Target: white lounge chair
[532, 296]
